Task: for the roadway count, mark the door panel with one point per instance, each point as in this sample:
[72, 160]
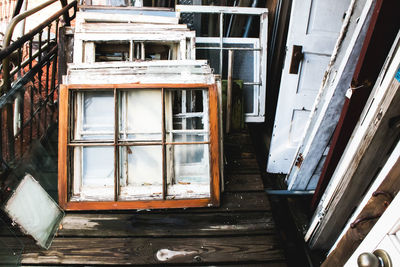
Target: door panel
[314, 25]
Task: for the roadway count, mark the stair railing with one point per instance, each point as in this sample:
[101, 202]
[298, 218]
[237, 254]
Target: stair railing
[29, 84]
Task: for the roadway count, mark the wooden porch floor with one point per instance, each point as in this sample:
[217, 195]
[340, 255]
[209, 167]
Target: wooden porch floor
[240, 232]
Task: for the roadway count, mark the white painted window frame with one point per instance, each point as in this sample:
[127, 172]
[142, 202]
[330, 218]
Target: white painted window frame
[258, 114]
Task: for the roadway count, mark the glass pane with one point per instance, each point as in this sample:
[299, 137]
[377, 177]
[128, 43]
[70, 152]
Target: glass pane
[184, 110]
[157, 51]
[188, 123]
[34, 211]
[107, 2]
[184, 137]
[141, 172]
[188, 171]
[212, 55]
[245, 68]
[112, 51]
[93, 173]
[95, 116]
[141, 115]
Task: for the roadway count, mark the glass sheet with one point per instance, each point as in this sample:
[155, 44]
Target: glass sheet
[96, 119]
[187, 137]
[188, 171]
[188, 123]
[141, 115]
[187, 108]
[111, 51]
[245, 68]
[141, 172]
[94, 173]
[212, 55]
[108, 2]
[34, 211]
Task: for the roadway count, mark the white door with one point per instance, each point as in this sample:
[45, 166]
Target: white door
[384, 237]
[313, 30]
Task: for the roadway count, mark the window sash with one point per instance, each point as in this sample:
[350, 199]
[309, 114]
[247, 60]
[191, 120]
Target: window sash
[119, 143]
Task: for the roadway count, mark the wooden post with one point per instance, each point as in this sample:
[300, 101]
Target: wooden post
[229, 92]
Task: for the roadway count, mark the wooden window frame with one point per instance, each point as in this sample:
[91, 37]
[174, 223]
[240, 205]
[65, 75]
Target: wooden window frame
[64, 144]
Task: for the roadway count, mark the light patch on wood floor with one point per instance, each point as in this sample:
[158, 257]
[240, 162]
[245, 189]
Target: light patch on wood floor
[167, 254]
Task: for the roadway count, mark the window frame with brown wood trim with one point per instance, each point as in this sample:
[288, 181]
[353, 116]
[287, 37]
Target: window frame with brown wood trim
[66, 123]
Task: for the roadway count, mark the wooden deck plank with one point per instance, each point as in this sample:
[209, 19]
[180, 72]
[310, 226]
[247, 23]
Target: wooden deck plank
[234, 202]
[244, 201]
[123, 251]
[161, 225]
[243, 182]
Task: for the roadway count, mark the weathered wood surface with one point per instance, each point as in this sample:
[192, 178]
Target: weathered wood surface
[161, 225]
[241, 232]
[243, 182]
[123, 251]
[243, 166]
[367, 152]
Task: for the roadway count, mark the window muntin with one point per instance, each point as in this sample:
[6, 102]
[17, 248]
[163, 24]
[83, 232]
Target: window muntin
[147, 157]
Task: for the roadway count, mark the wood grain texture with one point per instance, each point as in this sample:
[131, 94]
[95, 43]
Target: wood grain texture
[243, 182]
[62, 146]
[368, 156]
[243, 166]
[214, 145]
[166, 224]
[125, 251]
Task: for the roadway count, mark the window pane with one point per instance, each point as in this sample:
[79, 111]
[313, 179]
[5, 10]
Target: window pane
[184, 110]
[212, 55]
[141, 172]
[179, 137]
[188, 171]
[108, 2]
[93, 173]
[95, 116]
[112, 51]
[245, 68]
[35, 211]
[141, 115]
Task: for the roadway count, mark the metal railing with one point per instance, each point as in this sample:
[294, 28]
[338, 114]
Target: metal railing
[29, 84]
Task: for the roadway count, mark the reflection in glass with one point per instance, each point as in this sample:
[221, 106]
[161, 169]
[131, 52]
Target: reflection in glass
[141, 172]
[188, 171]
[95, 116]
[141, 115]
[185, 119]
[94, 173]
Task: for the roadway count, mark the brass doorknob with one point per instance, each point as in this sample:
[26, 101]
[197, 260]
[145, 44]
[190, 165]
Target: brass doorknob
[379, 258]
[368, 259]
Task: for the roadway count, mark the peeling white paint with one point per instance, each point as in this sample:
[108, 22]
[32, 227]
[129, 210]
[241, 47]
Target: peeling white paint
[167, 254]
